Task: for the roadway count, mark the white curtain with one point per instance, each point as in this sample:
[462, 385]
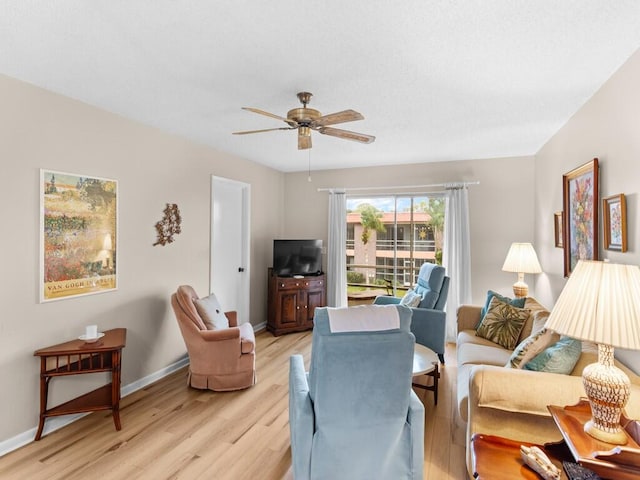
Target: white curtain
[456, 254]
[337, 250]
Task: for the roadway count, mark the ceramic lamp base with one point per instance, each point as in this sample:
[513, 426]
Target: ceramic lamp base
[608, 390]
[520, 289]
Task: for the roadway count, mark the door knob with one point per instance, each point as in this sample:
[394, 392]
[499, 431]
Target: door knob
[240, 269]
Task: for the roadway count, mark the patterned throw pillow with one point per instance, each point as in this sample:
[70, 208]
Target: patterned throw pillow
[502, 323]
[516, 302]
[531, 346]
[561, 357]
[211, 312]
[411, 299]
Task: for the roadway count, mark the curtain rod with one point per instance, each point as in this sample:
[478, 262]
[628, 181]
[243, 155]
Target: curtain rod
[433, 185]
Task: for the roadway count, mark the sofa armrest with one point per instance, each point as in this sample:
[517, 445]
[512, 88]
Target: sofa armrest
[521, 391]
[386, 300]
[468, 317]
[301, 419]
[429, 327]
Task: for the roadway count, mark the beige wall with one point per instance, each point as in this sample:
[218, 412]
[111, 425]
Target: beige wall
[43, 130]
[605, 127]
[501, 206]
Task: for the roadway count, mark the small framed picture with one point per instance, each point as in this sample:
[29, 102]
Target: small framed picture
[557, 229]
[614, 213]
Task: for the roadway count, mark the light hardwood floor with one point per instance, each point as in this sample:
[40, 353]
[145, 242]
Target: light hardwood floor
[170, 431]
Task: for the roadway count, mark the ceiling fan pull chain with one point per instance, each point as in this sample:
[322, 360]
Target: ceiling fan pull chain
[309, 174]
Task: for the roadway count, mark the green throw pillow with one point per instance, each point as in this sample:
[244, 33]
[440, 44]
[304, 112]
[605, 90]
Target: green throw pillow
[516, 302]
[532, 346]
[560, 357]
[503, 323]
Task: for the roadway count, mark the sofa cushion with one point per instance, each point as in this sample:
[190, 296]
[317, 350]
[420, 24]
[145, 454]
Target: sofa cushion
[211, 312]
[534, 307]
[503, 323]
[561, 357]
[532, 346]
[539, 318]
[469, 336]
[472, 353]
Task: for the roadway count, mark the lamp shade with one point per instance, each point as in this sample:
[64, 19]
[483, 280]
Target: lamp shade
[600, 303]
[522, 258]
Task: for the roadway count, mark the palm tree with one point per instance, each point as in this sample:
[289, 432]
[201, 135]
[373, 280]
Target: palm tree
[435, 208]
[370, 219]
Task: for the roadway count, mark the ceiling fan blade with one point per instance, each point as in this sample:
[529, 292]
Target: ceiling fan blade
[347, 135]
[264, 130]
[272, 115]
[304, 142]
[338, 117]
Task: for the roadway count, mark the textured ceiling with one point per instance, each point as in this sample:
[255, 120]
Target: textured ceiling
[436, 80]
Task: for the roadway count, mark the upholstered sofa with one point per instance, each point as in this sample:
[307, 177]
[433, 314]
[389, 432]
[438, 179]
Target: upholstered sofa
[512, 402]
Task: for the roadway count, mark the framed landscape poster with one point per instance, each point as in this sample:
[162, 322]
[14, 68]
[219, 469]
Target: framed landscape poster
[614, 218]
[78, 235]
[580, 212]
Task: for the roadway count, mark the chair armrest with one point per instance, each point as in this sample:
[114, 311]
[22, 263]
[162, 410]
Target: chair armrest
[221, 335]
[247, 338]
[301, 419]
[386, 300]
[468, 317]
[415, 418]
[429, 327]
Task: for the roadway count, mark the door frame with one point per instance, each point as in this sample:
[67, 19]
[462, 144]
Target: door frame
[243, 296]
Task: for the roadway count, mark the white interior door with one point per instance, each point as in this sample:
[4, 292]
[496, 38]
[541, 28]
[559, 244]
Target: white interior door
[229, 269]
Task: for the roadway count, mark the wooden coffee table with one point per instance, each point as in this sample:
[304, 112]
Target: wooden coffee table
[425, 362]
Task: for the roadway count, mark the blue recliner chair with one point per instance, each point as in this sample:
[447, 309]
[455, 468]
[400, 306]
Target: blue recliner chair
[429, 322]
[354, 415]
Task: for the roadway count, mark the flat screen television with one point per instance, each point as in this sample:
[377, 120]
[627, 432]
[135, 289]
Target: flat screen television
[297, 257]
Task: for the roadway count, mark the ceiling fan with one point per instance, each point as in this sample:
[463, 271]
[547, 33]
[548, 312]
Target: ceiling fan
[306, 119]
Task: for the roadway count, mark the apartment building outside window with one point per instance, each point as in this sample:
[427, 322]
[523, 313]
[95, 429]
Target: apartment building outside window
[389, 238]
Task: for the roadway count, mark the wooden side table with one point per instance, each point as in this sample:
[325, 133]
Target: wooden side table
[77, 357]
[607, 460]
[498, 458]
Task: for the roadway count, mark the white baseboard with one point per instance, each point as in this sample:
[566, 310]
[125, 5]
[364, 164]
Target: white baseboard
[259, 327]
[55, 423]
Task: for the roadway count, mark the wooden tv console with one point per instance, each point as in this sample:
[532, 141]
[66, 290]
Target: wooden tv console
[292, 302]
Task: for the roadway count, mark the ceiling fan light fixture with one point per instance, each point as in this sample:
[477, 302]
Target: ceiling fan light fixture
[306, 119]
[304, 131]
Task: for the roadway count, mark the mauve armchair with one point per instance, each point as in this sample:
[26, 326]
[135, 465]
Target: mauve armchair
[354, 416]
[429, 322]
[221, 359]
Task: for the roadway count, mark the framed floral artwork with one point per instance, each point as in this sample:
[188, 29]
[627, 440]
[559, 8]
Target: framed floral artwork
[614, 219]
[78, 235]
[557, 229]
[580, 211]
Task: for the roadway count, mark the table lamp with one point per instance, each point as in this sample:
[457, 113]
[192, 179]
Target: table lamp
[601, 303]
[521, 259]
